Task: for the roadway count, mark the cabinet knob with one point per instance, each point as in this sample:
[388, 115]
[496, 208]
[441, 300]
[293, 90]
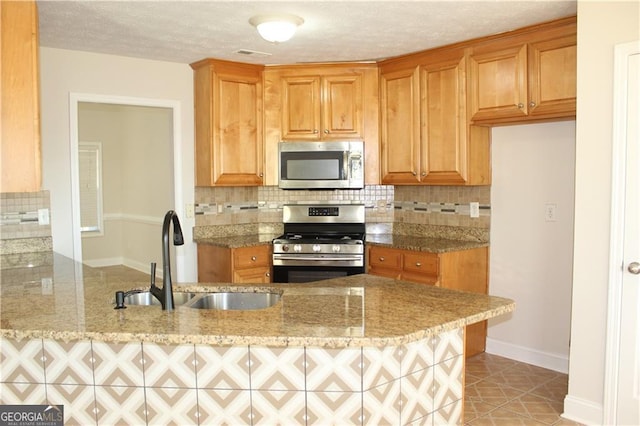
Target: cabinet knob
[418, 264]
[253, 258]
[326, 131]
[315, 130]
[414, 173]
[261, 175]
[634, 268]
[520, 105]
[267, 274]
[381, 259]
[532, 104]
[423, 174]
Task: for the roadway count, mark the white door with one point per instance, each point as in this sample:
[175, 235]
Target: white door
[622, 405]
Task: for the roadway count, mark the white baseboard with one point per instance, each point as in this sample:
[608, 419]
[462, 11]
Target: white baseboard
[115, 261]
[582, 411]
[108, 261]
[542, 359]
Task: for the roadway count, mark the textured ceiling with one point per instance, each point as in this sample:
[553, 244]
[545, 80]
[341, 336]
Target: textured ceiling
[187, 31]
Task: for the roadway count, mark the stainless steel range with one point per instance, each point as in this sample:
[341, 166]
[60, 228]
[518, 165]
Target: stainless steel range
[320, 241]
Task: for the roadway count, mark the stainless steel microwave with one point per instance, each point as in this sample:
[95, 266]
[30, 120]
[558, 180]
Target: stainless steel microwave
[321, 165]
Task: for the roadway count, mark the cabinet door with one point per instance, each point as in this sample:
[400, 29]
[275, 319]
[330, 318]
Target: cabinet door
[237, 132]
[498, 83]
[443, 122]
[386, 262]
[552, 77]
[253, 275]
[20, 147]
[420, 267]
[400, 127]
[301, 108]
[342, 107]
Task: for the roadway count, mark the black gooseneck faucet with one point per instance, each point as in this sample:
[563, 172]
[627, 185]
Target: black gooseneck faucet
[165, 295]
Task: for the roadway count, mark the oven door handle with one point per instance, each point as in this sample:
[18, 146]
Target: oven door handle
[336, 258]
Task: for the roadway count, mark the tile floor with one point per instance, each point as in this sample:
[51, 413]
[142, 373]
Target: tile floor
[498, 391]
[501, 391]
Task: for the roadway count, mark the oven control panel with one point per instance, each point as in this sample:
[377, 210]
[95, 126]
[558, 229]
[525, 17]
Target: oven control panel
[324, 211]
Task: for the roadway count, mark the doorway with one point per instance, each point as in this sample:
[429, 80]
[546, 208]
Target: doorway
[137, 143]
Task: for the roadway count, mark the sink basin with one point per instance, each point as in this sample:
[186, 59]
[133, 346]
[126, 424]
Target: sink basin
[235, 301]
[145, 298]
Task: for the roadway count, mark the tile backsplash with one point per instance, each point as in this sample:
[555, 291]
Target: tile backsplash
[20, 230]
[384, 204]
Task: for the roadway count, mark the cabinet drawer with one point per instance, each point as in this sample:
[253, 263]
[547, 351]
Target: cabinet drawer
[422, 263]
[251, 257]
[380, 257]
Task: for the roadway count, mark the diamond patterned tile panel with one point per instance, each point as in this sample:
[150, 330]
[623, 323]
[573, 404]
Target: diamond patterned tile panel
[78, 401]
[379, 366]
[120, 405]
[277, 368]
[381, 405]
[334, 369]
[447, 381]
[22, 361]
[169, 365]
[448, 345]
[224, 407]
[416, 356]
[118, 364]
[416, 395]
[334, 408]
[68, 363]
[177, 406]
[22, 393]
[222, 367]
[278, 407]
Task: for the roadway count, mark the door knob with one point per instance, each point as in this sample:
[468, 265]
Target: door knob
[634, 268]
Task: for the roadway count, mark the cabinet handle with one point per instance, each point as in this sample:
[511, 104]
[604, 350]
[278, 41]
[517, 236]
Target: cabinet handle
[253, 258]
[418, 264]
[326, 131]
[381, 259]
[520, 105]
[532, 104]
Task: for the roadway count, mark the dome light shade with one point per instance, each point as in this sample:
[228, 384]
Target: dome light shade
[276, 28]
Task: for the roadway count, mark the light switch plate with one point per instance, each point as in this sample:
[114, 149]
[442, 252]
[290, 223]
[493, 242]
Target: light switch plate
[474, 209]
[43, 216]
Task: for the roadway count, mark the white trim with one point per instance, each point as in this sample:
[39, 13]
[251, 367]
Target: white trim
[106, 261]
[74, 99]
[97, 148]
[618, 173]
[551, 361]
[581, 410]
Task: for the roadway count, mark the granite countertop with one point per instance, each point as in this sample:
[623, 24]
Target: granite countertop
[69, 301]
[405, 242]
[433, 245]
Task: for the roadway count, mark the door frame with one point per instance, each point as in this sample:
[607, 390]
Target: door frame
[74, 100]
[616, 261]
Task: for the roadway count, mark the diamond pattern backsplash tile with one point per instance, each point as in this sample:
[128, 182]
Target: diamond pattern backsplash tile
[172, 406]
[278, 407]
[224, 407]
[169, 366]
[222, 367]
[22, 361]
[120, 405]
[118, 364]
[68, 363]
[277, 368]
[334, 369]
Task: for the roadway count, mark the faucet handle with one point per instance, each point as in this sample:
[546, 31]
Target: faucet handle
[153, 274]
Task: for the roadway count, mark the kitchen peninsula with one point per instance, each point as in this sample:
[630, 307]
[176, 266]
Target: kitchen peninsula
[357, 350]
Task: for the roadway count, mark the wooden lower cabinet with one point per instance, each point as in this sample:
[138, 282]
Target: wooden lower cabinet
[466, 270]
[236, 265]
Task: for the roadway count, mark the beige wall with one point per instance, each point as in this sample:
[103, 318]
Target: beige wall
[63, 72]
[601, 25]
[137, 181]
[531, 258]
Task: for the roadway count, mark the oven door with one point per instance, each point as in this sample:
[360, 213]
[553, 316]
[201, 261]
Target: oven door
[307, 268]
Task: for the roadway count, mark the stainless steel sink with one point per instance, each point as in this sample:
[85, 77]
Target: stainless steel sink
[235, 301]
[145, 298]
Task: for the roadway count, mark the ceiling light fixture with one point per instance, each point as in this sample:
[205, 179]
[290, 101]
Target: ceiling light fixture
[276, 28]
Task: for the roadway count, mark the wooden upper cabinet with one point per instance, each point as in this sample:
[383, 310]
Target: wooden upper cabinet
[425, 136]
[443, 122]
[228, 111]
[322, 107]
[20, 99]
[400, 126]
[525, 77]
